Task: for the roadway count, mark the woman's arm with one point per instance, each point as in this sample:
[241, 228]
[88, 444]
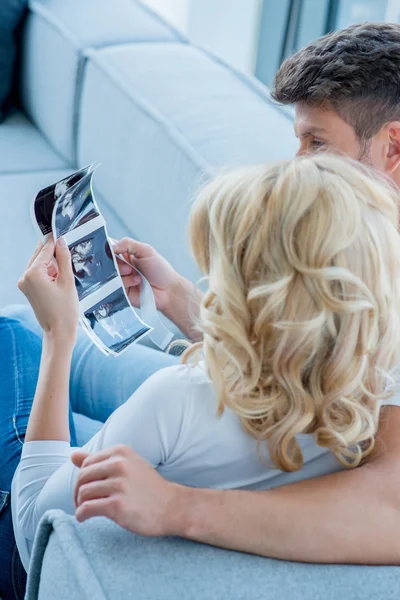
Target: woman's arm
[150, 422]
[50, 288]
[346, 517]
[49, 418]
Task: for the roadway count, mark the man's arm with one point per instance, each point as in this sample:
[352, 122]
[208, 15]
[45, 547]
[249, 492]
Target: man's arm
[347, 517]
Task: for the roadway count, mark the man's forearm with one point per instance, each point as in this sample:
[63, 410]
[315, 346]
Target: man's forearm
[346, 517]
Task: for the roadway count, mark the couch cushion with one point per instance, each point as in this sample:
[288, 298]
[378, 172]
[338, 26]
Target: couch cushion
[17, 236]
[167, 115]
[23, 148]
[55, 34]
[11, 14]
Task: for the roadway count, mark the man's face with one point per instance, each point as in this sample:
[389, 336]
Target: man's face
[321, 129]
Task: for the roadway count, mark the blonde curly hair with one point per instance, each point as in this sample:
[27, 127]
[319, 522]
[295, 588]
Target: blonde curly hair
[301, 319]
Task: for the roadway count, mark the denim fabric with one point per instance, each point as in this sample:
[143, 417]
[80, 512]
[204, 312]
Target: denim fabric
[19, 368]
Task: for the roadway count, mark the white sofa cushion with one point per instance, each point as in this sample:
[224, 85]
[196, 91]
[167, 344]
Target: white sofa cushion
[168, 115]
[56, 34]
[23, 148]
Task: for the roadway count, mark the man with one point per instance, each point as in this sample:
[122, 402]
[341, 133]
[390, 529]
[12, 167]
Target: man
[346, 91]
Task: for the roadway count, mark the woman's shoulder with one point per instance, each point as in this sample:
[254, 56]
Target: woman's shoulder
[174, 389]
[182, 375]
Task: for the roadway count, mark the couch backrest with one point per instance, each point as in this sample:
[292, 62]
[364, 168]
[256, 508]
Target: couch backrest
[112, 82]
[56, 36]
[168, 117]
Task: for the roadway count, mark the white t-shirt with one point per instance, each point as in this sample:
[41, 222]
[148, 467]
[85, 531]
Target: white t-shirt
[171, 422]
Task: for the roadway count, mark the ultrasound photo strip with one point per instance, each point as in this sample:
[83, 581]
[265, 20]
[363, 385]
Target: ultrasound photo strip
[114, 322]
[96, 272]
[44, 202]
[160, 335]
[106, 313]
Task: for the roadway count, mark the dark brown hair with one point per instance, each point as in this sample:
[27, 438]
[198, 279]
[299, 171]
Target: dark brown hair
[354, 71]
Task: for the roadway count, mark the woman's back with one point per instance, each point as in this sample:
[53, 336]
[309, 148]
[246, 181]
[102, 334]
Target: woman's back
[171, 421]
[301, 318]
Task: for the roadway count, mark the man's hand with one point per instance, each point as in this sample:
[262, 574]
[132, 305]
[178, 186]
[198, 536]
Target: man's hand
[118, 484]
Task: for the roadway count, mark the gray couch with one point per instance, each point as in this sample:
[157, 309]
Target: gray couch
[99, 560]
[111, 82]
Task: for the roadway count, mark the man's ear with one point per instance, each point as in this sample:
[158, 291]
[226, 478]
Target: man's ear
[392, 159]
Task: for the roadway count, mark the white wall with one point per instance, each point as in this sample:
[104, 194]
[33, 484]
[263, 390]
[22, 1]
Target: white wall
[393, 11]
[175, 11]
[228, 28]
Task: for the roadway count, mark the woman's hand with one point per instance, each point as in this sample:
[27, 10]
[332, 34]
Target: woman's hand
[162, 277]
[175, 296]
[118, 484]
[49, 286]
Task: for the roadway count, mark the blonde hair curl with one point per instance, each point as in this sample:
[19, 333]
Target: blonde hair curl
[301, 318]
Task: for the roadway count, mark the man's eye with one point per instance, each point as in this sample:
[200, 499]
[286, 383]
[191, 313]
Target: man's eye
[316, 144]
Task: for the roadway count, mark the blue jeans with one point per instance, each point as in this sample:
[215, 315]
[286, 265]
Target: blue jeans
[98, 385]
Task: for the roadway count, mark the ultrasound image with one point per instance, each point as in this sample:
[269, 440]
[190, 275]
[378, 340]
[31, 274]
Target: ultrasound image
[46, 198]
[113, 321]
[75, 207]
[92, 262]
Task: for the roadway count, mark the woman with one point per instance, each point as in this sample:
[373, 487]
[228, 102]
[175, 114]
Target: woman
[301, 330]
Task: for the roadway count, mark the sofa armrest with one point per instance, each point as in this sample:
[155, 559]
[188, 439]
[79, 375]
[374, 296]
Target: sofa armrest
[98, 559]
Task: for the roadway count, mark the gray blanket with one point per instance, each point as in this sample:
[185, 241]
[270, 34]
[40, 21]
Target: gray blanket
[98, 560]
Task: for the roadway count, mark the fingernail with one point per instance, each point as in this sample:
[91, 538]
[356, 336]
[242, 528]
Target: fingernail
[62, 243]
[125, 269]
